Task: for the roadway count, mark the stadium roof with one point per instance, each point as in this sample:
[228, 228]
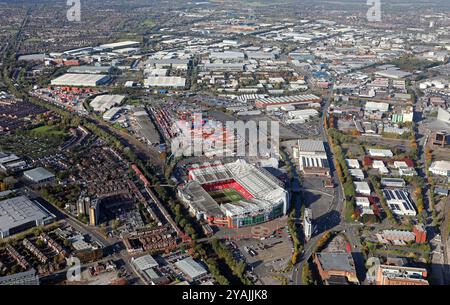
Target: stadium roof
[264, 191]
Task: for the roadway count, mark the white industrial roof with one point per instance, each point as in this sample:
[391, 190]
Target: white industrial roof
[38, 174]
[191, 268]
[20, 210]
[121, 44]
[105, 102]
[88, 80]
[311, 146]
[145, 262]
[289, 99]
[165, 81]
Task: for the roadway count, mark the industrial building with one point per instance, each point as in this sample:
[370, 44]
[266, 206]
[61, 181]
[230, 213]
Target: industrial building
[20, 213]
[173, 63]
[119, 45]
[165, 81]
[90, 70]
[393, 182]
[105, 102]
[399, 202]
[191, 269]
[235, 195]
[273, 103]
[27, 278]
[81, 80]
[39, 175]
[443, 115]
[336, 266]
[440, 168]
[383, 153]
[362, 188]
[112, 113]
[313, 158]
[395, 275]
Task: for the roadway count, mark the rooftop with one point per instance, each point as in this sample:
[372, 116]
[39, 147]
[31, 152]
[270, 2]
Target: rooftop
[18, 211]
[336, 261]
[38, 174]
[191, 268]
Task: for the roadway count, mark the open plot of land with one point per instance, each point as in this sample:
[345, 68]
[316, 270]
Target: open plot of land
[48, 131]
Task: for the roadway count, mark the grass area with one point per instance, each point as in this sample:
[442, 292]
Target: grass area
[28, 145]
[48, 131]
[233, 195]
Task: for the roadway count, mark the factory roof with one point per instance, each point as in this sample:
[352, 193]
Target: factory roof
[105, 102]
[191, 268]
[311, 146]
[38, 174]
[165, 81]
[336, 261]
[145, 262]
[119, 45]
[20, 210]
[71, 79]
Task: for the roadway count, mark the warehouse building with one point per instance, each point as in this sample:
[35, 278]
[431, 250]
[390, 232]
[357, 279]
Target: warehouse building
[441, 168]
[393, 182]
[20, 213]
[383, 153]
[362, 188]
[27, 278]
[39, 175]
[399, 202]
[274, 103]
[81, 80]
[191, 269]
[120, 45]
[173, 63]
[313, 158]
[165, 81]
[105, 102]
[90, 70]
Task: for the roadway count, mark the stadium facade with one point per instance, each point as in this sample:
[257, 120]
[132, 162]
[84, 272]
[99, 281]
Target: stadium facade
[234, 195]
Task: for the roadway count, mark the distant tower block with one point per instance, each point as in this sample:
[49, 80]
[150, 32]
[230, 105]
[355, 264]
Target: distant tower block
[432, 24]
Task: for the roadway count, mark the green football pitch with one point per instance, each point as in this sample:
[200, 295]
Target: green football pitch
[233, 195]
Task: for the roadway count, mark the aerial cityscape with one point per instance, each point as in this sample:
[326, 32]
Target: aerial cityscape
[245, 143]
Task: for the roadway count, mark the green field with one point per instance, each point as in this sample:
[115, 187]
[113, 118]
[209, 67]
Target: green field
[233, 195]
[48, 131]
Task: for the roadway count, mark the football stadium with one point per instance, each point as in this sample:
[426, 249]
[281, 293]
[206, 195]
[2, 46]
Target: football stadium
[234, 195]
